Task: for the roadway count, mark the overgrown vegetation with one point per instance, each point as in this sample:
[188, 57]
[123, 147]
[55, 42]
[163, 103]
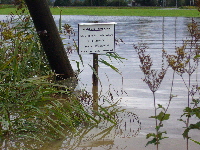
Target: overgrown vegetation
[32, 104]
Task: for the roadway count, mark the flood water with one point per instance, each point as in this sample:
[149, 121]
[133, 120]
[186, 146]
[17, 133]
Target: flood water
[158, 33]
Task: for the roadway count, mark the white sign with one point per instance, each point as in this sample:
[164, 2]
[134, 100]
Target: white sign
[96, 38]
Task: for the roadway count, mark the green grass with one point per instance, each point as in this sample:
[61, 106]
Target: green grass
[127, 12]
[115, 11]
[6, 11]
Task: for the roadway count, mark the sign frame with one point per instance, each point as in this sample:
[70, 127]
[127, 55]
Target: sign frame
[96, 38]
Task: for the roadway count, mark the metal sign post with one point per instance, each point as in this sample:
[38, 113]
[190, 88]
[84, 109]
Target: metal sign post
[96, 39]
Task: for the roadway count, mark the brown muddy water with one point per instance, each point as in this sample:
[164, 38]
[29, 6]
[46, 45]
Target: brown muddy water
[135, 97]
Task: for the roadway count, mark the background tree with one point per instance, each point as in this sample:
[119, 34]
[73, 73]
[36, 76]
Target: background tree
[77, 3]
[147, 2]
[173, 3]
[62, 3]
[6, 1]
[117, 3]
[95, 2]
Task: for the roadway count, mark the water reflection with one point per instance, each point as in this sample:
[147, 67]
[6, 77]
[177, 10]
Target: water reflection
[86, 137]
[103, 135]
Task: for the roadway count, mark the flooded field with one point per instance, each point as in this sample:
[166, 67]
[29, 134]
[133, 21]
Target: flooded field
[158, 33]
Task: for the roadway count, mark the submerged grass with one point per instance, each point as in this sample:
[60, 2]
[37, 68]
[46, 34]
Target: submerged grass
[116, 11]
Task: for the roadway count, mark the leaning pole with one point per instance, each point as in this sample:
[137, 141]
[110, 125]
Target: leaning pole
[50, 38]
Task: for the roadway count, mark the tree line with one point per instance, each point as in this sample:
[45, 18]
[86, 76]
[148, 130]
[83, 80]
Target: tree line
[124, 3]
[114, 2]
[90, 3]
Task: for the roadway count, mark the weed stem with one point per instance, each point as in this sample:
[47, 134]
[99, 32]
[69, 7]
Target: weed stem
[154, 99]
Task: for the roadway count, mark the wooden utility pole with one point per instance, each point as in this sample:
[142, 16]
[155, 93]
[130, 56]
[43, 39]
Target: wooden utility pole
[50, 38]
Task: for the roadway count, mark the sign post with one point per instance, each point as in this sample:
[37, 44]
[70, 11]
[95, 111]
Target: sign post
[96, 39]
[95, 82]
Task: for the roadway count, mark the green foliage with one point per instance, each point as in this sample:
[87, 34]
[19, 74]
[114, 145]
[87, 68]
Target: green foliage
[32, 104]
[108, 64]
[21, 58]
[35, 105]
[195, 141]
[161, 116]
[158, 136]
[191, 112]
[26, 102]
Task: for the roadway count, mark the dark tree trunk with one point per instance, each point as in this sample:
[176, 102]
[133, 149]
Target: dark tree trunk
[50, 38]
